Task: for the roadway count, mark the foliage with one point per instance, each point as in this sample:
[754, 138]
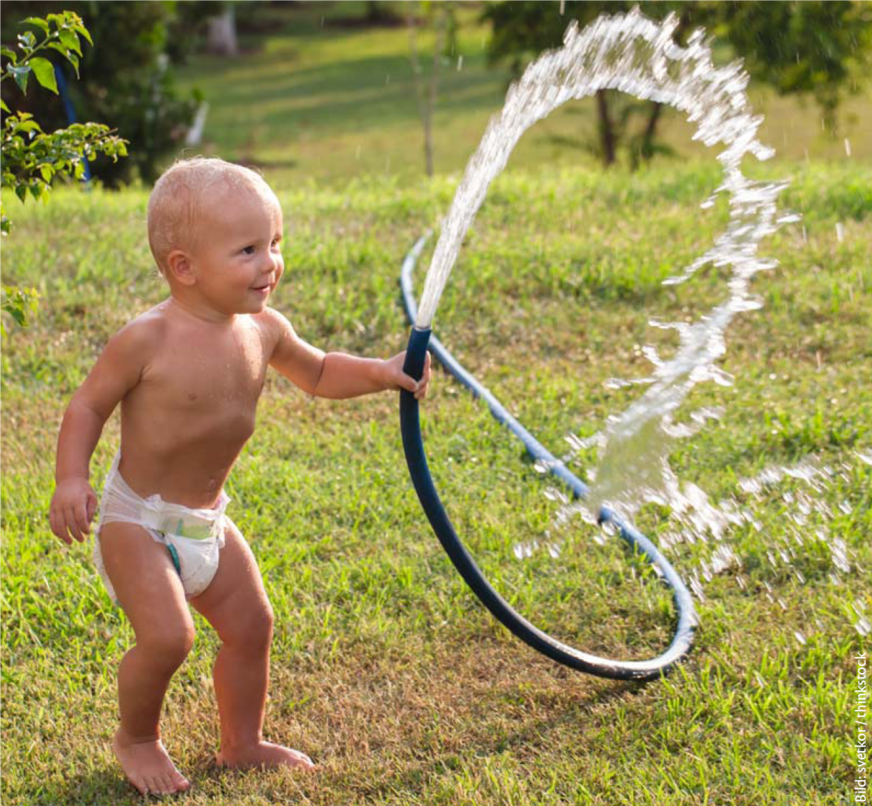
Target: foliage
[32, 157]
[127, 82]
[19, 303]
[802, 47]
[796, 47]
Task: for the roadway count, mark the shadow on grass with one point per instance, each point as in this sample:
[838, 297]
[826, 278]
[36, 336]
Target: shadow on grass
[525, 740]
[105, 787]
[109, 787]
[376, 91]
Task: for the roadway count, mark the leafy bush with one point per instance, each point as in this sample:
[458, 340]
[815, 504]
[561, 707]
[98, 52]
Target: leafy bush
[126, 82]
[32, 157]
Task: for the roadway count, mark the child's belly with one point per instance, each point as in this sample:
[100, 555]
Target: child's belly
[184, 452]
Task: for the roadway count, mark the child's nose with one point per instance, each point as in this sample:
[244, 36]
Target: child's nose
[274, 260]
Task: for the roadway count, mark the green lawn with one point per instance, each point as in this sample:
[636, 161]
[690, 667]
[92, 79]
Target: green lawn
[385, 668]
[331, 102]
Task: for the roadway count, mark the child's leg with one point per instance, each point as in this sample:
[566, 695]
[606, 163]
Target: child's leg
[150, 592]
[236, 605]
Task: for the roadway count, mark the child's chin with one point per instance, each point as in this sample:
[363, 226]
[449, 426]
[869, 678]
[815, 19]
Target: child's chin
[256, 306]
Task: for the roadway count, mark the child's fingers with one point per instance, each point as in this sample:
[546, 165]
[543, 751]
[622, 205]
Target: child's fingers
[82, 524]
[55, 528]
[84, 520]
[71, 522]
[408, 383]
[92, 507]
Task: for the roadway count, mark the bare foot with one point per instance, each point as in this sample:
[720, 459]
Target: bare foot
[147, 765]
[264, 754]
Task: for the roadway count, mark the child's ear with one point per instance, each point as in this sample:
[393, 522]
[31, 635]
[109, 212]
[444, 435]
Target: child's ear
[179, 265]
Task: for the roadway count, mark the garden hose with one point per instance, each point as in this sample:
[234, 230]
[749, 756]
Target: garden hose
[419, 342]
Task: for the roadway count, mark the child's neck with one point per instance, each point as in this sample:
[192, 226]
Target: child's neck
[203, 313]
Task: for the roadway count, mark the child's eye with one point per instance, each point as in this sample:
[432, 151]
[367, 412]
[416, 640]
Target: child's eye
[276, 241]
[248, 250]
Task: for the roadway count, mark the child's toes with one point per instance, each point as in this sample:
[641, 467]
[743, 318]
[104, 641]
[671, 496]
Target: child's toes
[140, 785]
[180, 783]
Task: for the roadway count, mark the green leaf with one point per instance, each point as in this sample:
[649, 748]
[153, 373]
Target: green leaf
[43, 69]
[74, 60]
[9, 54]
[20, 75]
[71, 41]
[84, 32]
[4, 107]
[27, 40]
[16, 313]
[39, 23]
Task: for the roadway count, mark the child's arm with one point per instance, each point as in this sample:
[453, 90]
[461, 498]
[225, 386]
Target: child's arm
[118, 370]
[337, 375]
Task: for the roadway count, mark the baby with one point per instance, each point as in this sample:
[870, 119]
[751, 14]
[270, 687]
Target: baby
[188, 373]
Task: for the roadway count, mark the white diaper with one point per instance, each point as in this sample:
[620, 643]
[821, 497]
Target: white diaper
[193, 537]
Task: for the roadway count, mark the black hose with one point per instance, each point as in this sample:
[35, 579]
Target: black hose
[419, 341]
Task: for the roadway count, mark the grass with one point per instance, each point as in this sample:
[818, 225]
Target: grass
[385, 669]
[332, 101]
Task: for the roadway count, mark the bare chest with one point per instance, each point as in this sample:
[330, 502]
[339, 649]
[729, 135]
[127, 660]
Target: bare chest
[211, 382]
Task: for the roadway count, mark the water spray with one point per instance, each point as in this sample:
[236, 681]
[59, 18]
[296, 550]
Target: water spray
[630, 53]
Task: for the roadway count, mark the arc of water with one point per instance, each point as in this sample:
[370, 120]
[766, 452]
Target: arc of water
[629, 53]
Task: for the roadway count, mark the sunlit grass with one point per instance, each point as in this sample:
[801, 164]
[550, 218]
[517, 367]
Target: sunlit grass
[331, 102]
[385, 667]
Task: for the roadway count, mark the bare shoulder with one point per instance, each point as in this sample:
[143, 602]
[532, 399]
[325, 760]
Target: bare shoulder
[124, 362]
[144, 334]
[274, 328]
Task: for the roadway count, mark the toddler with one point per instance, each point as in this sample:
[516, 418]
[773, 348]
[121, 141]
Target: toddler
[188, 373]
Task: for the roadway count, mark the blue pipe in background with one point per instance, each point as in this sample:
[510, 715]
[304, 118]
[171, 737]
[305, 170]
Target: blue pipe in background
[71, 115]
[420, 341]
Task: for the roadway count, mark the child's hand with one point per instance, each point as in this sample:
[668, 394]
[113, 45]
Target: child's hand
[395, 378]
[72, 509]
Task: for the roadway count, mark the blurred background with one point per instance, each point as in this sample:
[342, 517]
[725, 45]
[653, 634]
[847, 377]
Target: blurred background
[333, 90]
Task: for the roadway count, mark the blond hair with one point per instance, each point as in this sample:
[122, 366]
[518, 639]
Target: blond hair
[183, 192]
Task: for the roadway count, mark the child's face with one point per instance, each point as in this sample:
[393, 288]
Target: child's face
[238, 259]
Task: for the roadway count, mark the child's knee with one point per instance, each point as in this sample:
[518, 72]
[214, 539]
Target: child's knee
[168, 645]
[251, 629]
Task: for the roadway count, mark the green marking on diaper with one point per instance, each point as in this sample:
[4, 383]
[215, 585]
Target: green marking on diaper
[195, 531]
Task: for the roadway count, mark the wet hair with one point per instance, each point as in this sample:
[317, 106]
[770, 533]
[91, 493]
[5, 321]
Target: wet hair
[183, 192]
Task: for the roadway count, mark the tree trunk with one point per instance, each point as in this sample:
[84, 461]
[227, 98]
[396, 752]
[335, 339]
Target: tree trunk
[647, 149]
[222, 34]
[373, 12]
[606, 127]
[426, 96]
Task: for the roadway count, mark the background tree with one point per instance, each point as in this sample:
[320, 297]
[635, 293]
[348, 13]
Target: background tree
[126, 82]
[32, 158]
[439, 17]
[795, 47]
[821, 49]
